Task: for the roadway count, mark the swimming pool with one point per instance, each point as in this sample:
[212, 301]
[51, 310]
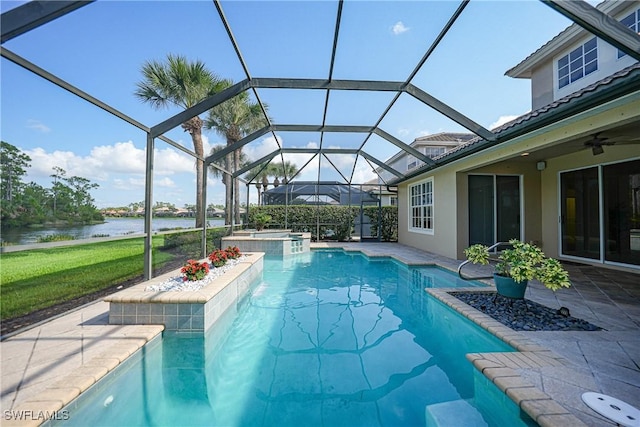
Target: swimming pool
[326, 338]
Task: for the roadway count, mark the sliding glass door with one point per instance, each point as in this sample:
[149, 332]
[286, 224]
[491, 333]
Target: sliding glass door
[580, 213]
[600, 213]
[622, 212]
[494, 208]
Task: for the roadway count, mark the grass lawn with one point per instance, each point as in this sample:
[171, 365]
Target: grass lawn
[40, 278]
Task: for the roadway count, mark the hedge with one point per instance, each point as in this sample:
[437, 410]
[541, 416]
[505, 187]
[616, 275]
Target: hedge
[336, 222]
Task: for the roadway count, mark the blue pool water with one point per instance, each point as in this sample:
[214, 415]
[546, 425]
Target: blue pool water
[324, 339]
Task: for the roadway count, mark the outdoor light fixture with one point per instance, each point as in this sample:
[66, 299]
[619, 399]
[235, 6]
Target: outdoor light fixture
[597, 149]
[541, 165]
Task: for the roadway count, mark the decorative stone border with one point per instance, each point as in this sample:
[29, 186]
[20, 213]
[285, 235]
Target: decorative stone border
[185, 311]
[500, 368]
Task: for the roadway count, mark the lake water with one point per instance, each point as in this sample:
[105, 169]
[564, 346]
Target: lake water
[111, 227]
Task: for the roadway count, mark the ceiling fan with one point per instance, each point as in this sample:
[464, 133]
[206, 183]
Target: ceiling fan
[596, 142]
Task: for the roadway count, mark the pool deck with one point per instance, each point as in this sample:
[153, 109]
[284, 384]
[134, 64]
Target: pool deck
[547, 376]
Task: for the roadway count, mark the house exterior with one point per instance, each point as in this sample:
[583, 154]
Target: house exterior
[572, 185]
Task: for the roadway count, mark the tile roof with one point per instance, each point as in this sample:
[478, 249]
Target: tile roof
[446, 137]
[620, 76]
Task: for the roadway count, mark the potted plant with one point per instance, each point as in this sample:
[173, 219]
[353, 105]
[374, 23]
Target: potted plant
[518, 265]
[261, 219]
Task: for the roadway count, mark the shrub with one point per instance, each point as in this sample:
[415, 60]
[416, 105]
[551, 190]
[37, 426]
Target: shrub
[194, 270]
[55, 238]
[336, 222]
[218, 258]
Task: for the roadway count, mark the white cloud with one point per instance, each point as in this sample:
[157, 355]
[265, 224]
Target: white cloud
[363, 173]
[37, 125]
[128, 184]
[169, 161]
[165, 182]
[502, 120]
[399, 28]
[121, 157]
[258, 150]
[42, 164]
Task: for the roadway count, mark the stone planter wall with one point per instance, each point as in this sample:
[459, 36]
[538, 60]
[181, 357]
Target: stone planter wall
[187, 311]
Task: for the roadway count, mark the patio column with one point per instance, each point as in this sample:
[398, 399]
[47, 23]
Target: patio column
[203, 211]
[148, 209]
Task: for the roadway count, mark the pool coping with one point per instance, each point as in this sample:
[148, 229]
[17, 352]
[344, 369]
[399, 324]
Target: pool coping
[48, 404]
[500, 368]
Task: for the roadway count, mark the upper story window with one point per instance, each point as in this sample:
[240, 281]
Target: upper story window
[632, 21]
[421, 206]
[433, 151]
[412, 162]
[578, 63]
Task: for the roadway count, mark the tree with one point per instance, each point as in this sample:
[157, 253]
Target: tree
[286, 170]
[217, 173]
[13, 166]
[258, 175]
[71, 197]
[234, 119]
[182, 83]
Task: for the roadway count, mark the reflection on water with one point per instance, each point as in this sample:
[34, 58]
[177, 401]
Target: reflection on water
[330, 340]
[111, 227]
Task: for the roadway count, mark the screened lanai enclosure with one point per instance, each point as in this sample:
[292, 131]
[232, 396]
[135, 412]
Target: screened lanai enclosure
[306, 94]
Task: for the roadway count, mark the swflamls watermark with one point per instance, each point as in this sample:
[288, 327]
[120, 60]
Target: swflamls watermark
[31, 415]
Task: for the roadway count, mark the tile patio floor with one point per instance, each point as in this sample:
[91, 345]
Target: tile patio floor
[82, 343]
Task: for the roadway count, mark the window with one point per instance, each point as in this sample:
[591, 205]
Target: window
[580, 62]
[632, 21]
[434, 151]
[421, 206]
[393, 200]
[412, 162]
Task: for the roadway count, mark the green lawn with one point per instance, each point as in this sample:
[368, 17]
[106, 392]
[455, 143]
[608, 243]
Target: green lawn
[39, 278]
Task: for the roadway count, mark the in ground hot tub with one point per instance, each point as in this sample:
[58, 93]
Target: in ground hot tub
[271, 242]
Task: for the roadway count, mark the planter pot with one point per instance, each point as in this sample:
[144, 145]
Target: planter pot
[509, 288]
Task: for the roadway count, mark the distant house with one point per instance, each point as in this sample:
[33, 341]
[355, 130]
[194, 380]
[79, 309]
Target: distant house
[429, 145]
[565, 175]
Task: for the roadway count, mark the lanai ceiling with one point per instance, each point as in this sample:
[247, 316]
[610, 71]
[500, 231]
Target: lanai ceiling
[336, 108]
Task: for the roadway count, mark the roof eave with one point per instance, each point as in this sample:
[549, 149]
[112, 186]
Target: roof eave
[600, 96]
[568, 36]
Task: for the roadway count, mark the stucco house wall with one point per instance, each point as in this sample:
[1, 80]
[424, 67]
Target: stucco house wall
[539, 188]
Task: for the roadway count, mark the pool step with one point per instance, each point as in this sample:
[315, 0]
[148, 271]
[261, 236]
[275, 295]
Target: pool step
[454, 414]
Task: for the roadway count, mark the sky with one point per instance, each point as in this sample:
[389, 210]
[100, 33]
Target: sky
[100, 49]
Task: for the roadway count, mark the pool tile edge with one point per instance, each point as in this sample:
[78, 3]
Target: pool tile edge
[38, 409]
[500, 368]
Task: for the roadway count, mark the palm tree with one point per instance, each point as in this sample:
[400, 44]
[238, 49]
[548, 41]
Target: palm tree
[286, 170]
[217, 173]
[234, 119]
[259, 174]
[177, 81]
